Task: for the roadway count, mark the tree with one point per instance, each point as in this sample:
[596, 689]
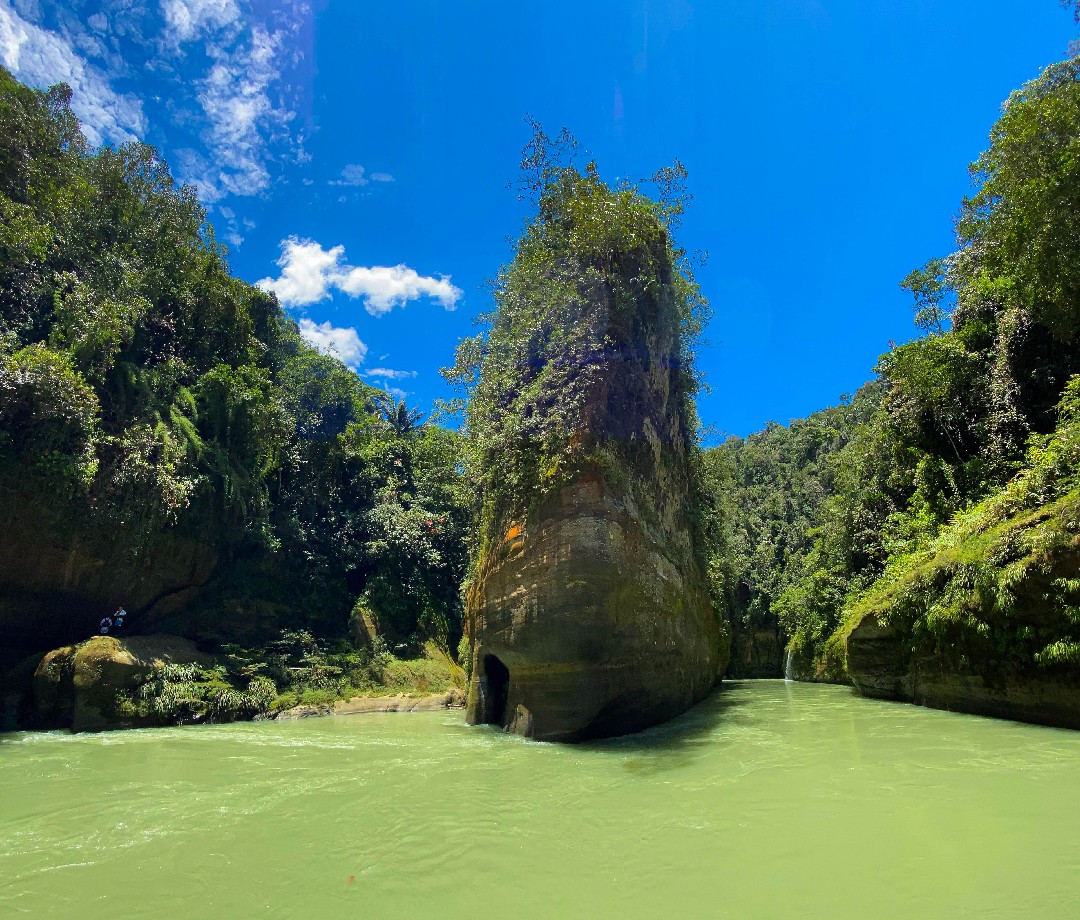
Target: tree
[397, 414]
[1019, 233]
[930, 288]
[148, 399]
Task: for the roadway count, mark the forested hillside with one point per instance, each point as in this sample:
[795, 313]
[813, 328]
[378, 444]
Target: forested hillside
[952, 419]
[169, 443]
[770, 491]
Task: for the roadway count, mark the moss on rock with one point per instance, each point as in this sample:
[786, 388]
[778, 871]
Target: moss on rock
[589, 609]
[89, 686]
[986, 618]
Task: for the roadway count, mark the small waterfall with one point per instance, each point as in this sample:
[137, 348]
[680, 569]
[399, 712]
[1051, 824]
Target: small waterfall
[789, 673]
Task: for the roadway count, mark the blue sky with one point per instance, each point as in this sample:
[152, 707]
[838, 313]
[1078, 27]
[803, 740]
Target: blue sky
[355, 155]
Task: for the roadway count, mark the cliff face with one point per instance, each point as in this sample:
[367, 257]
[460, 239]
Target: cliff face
[881, 665]
[58, 578]
[590, 614]
[756, 652]
[987, 624]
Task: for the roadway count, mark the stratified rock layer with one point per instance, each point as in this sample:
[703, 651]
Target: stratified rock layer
[57, 579]
[591, 616]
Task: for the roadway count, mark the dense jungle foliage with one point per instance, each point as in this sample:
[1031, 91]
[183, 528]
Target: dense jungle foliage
[821, 509]
[768, 493]
[146, 393]
[996, 592]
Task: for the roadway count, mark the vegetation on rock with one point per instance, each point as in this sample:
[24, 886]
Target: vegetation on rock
[527, 380]
[996, 593]
[589, 610]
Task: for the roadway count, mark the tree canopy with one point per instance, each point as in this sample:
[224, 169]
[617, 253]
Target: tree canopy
[146, 392]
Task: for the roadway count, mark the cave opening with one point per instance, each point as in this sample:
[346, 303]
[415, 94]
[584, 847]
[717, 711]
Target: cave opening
[496, 690]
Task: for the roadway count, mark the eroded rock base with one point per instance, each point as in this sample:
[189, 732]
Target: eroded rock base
[585, 629]
[881, 666]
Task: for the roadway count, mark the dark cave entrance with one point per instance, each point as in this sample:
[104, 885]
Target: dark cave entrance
[496, 687]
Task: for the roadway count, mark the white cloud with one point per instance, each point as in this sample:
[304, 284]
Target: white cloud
[384, 288]
[389, 374]
[42, 58]
[306, 269]
[353, 174]
[395, 392]
[341, 342]
[221, 74]
[188, 19]
[235, 99]
[310, 273]
[28, 9]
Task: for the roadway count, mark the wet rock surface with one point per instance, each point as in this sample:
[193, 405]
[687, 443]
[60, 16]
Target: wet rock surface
[882, 665]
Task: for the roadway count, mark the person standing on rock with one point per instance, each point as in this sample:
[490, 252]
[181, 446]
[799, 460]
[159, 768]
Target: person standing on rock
[106, 623]
[119, 616]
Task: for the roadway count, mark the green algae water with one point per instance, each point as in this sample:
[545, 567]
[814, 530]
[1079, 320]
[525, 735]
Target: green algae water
[768, 800]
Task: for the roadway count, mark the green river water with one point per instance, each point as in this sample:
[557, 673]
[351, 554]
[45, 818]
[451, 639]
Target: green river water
[770, 800]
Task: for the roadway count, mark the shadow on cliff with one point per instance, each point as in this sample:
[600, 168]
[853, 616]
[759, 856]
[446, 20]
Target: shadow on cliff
[676, 743]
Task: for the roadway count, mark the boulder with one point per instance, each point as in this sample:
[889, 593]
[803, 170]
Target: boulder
[77, 686]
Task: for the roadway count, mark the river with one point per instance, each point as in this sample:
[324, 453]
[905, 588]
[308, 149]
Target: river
[769, 800]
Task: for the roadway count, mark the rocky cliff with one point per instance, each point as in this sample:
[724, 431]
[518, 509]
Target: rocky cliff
[589, 612]
[986, 622]
[756, 652]
[583, 624]
[59, 576]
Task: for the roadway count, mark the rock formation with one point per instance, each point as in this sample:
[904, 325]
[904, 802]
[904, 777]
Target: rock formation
[57, 579]
[756, 652]
[584, 626]
[985, 626]
[882, 665]
[77, 686]
[589, 612]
